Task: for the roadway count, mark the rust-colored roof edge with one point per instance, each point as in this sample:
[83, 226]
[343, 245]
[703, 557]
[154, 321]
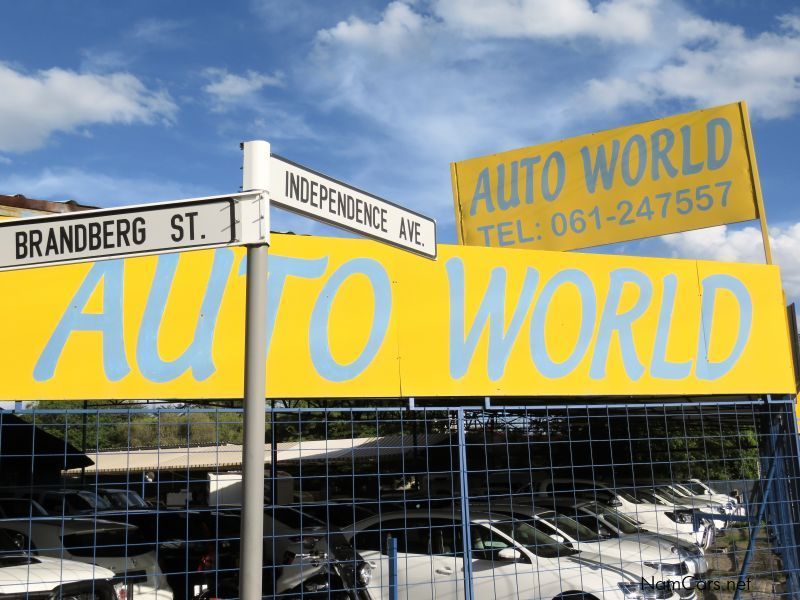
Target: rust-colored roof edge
[20, 201]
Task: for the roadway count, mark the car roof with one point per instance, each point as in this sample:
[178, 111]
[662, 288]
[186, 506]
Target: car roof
[70, 524]
[474, 515]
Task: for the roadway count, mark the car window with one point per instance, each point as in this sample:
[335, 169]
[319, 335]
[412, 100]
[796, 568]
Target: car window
[617, 520]
[535, 541]
[14, 508]
[570, 527]
[414, 536]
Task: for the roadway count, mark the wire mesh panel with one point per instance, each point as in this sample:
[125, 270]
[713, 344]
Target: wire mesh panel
[624, 501]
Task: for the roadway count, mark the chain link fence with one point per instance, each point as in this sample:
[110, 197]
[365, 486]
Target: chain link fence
[688, 498]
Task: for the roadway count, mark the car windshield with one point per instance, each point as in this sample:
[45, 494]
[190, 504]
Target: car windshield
[124, 499]
[571, 527]
[643, 495]
[617, 520]
[535, 541]
[94, 501]
[14, 508]
[682, 489]
[696, 488]
[627, 496]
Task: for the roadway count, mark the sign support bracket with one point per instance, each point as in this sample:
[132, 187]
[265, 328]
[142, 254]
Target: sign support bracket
[256, 220]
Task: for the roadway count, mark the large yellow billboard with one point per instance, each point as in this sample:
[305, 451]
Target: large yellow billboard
[684, 172]
[355, 318]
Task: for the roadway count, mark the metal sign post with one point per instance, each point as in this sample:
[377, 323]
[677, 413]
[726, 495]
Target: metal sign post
[255, 178]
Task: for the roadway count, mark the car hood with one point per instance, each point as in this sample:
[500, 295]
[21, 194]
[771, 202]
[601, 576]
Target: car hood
[19, 574]
[619, 550]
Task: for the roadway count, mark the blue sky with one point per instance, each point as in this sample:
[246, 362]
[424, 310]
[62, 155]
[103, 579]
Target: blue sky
[117, 103]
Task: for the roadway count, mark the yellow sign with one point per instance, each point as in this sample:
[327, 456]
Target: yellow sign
[683, 172]
[352, 318]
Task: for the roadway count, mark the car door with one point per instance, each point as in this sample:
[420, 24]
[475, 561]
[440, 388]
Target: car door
[492, 577]
[415, 568]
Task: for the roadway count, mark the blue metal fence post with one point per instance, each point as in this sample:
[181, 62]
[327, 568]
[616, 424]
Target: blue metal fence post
[392, 568]
[465, 520]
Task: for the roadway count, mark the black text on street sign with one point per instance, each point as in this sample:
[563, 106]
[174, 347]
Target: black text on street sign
[302, 190]
[94, 235]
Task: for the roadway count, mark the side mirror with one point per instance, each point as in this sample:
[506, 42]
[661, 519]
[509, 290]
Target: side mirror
[510, 554]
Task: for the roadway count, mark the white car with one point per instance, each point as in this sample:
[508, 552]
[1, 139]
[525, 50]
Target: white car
[647, 560]
[510, 560]
[608, 522]
[729, 503]
[667, 497]
[653, 517]
[699, 488]
[114, 546]
[23, 575]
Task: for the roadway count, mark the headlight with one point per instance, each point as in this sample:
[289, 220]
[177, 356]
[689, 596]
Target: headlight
[364, 574]
[669, 568]
[640, 591]
[679, 517]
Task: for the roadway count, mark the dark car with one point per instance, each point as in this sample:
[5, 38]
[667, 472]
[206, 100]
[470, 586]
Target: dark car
[302, 557]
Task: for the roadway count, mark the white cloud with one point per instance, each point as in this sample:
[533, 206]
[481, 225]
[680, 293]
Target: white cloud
[432, 81]
[618, 21]
[229, 89]
[33, 107]
[743, 245]
[716, 63]
[399, 28]
[95, 189]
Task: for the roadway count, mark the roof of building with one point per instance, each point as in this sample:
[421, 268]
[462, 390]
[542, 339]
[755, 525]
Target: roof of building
[229, 456]
[19, 206]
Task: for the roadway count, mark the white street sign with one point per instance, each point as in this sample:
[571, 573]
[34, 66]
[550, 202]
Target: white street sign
[304, 191]
[115, 232]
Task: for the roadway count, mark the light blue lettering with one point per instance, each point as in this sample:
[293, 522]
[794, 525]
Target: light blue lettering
[280, 268]
[715, 162]
[622, 323]
[707, 369]
[492, 309]
[549, 194]
[198, 356]
[513, 195]
[661, 367]
[661, 154]
[321, 355]
[538, 340]
[626, 160]
[687, 166]
[482, 192]
[109, 323]
[527, 164]
[602, 167]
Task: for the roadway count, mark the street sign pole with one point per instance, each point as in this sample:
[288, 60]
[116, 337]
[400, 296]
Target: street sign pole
[255, 178]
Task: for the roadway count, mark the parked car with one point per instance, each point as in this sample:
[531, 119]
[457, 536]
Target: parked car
[301, 556]
[643, 560]
[670, 495]
[111, 545]
[608, 522]
[700, 488]
[667, 520]
[25, 576]
[511, 559]
[123, 499]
